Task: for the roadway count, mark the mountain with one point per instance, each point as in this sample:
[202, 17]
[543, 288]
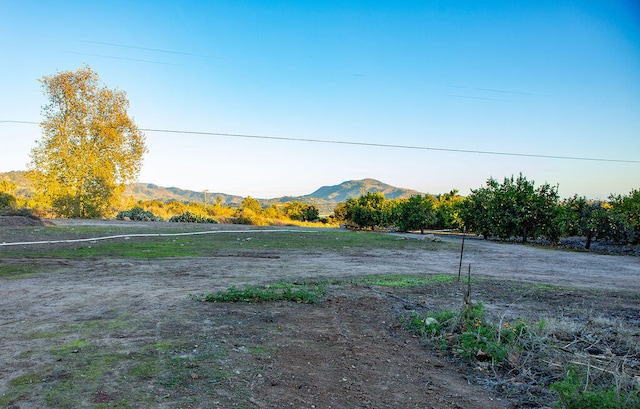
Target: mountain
[21, 180]
[149, 191]
[325, 198]
[355, 188]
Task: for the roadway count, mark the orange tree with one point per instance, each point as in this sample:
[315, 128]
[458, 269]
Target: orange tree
[627, 208]
[369, 211]
[447, 210]
[514, 208]
[415, 213]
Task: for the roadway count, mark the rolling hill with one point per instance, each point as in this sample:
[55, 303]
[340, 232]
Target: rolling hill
[324, 198]
[355, 188]
[149, 191]
[20, 179]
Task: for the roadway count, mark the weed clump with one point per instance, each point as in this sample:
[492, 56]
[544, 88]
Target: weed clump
[308, 294]
[470, 335]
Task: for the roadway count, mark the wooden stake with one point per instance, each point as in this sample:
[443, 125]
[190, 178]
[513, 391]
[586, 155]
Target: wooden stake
[464, 232]
[467, 296]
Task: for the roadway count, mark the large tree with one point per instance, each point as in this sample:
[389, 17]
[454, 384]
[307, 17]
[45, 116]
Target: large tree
[90, 147]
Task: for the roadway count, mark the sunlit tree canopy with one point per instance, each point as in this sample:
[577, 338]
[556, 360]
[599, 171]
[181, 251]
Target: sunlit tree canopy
[90, 147]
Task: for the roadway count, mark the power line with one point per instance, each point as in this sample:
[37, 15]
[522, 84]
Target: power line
[122, 58]
[471, 97]
[502, 91]
[148, 49]
[371, 144]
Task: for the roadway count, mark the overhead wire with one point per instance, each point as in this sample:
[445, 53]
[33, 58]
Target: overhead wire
[123, 58]
[371, 144]
[158, 50]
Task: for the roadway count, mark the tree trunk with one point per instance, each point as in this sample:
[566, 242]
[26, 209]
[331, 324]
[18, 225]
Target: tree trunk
[587, 246]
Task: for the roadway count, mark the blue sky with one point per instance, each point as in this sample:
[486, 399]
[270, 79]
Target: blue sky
[541, 78]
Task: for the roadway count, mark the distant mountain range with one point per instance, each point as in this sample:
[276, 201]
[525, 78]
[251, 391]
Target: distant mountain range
[325, 198]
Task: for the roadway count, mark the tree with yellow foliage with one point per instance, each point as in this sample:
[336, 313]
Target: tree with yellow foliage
[90, 147]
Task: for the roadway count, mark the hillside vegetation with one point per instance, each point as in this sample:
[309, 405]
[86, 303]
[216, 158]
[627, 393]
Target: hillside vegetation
[325, 198]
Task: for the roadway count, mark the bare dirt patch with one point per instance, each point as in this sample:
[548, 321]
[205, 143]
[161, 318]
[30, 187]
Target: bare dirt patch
[124, 332]
[14, 221]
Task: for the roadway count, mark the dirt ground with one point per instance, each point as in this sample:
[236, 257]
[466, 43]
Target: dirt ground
[349, 351]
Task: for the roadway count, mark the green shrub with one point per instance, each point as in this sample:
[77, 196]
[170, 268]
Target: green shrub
[188, 217]
[138, 214]
[7, 201]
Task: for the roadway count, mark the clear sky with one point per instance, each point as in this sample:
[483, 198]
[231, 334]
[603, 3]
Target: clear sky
[557, 78]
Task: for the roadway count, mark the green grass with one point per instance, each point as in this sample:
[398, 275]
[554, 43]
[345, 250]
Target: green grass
[20, 387]
[51, 232]
[209, 244]
[92, 327]
[145, 370]
[45, 335]
[403, 280]
[74, 347]
[307, 293]
[24, 381]
[16, 272]
[260, 350]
